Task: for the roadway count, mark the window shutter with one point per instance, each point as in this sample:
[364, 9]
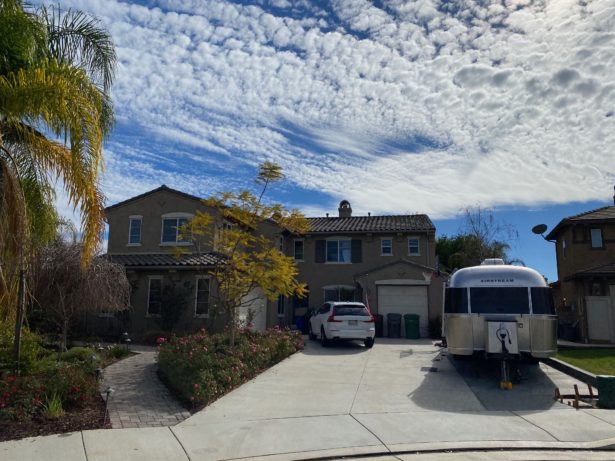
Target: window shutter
[321, 251]
[355, 251]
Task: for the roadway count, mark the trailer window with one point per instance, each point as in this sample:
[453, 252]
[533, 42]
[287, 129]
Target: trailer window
[542, 301]
[456, 301]
[504, 300]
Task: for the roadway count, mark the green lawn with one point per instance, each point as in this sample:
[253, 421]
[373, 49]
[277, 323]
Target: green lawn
[597, 361]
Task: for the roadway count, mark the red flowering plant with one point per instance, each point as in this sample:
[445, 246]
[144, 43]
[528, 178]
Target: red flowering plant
[203, 367]
[21, 397]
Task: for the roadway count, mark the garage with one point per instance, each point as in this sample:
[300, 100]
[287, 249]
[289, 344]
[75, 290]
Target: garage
[402, 297]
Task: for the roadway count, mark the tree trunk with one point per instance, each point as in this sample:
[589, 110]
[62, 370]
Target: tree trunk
[21, 302]
[64, 338]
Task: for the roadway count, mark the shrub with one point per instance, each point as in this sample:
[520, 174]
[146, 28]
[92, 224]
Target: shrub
[202, 367]
[74, 383]
[30, 347]
[21, 397]
[117, 352]
[83, 356]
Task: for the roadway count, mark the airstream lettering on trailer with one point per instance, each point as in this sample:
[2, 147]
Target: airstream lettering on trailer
[501, 310]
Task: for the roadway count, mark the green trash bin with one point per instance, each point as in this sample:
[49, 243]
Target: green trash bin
[606, 391]
[411, 322]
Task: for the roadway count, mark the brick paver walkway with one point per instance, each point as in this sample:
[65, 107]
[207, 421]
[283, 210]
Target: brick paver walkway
[140, 399]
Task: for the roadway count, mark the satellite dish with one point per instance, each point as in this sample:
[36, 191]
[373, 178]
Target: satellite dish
[539, 229]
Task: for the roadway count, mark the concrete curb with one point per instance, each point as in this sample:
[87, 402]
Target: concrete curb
[434, 447]
[577, 373]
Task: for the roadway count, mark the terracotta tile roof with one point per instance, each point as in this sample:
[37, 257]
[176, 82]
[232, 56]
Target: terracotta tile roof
[165, 260]
[598, 271]
[606, 213]
[399, 223]
[164, 187]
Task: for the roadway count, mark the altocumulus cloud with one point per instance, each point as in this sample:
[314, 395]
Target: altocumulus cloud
[398, 106]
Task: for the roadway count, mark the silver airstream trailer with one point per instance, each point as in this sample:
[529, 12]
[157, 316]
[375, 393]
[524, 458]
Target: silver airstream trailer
[500, 310]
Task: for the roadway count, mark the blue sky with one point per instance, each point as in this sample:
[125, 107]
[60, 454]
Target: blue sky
[399, 107]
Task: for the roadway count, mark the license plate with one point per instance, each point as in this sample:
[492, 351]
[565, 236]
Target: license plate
[352, 322]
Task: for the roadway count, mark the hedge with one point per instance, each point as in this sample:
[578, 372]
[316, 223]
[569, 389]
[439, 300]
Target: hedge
[203, 367]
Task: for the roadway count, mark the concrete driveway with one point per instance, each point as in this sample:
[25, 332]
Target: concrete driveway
[345, 400]
[400, 395]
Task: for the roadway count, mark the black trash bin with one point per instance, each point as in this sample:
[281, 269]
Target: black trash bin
[379, 325]
[394, 325]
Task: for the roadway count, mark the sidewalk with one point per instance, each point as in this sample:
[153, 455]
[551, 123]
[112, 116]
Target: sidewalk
[348, 400]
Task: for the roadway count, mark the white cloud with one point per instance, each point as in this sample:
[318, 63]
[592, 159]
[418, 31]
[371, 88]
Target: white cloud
[411, 106]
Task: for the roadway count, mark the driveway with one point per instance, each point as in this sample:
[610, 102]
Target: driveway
[400, 396]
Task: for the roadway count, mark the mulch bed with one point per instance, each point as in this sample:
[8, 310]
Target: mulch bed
[89, 417]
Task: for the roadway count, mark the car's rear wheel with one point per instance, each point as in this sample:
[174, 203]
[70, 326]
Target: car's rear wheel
[323, 338]
[311, 334]
[369, 342]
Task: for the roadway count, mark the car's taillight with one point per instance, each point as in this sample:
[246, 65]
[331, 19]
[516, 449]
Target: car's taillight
[371, 319]
[331, 319]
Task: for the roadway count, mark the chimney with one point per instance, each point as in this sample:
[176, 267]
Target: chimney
[613, 195]
[345, 211]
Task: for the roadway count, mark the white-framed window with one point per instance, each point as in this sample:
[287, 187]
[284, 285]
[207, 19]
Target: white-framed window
[596, 236]
[338, 251]
[386, 246]
[281, 308]
[201, 296]
[154, 296]
[414, 248]
[339, 293]
[134, 230]
[171, 229]
[298, 249]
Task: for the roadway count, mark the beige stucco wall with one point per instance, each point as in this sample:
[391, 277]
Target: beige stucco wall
[319, 275]
[151, 208]
[579, 254]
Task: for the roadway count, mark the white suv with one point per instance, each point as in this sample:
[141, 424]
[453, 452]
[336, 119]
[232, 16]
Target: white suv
[342, 320]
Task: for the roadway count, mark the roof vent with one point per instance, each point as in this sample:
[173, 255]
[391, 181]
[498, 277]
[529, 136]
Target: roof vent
[493, 262]
[345, 210]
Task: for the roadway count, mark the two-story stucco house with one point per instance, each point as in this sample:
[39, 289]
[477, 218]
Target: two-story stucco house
[386, 261]
[585, 290]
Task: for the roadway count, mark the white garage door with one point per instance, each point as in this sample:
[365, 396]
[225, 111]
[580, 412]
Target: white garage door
[403, 299]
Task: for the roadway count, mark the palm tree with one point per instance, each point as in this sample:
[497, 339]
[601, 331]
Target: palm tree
[56, 69]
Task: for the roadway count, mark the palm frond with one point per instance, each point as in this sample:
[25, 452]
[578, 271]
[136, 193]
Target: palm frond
[23, 37]
[39, 156]
[77, 38]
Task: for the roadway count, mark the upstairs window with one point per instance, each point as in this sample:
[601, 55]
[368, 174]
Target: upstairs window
[596, 236]
[298, 250]
[201, 307]
[134, 230]
[338, 251]
[413, 247]
[172, 226]
[386, 247]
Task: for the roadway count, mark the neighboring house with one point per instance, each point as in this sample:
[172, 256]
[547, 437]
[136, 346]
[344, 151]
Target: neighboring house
[585, 290]
[386, 261]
